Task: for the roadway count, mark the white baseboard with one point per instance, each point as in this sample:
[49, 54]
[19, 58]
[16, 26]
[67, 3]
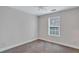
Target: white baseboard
[12, 46]
[63, 44]
[6, 48]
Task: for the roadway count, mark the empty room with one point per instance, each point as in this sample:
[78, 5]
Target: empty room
[39, 29]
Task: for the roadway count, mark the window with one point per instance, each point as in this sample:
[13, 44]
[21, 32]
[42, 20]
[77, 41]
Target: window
[54, 26]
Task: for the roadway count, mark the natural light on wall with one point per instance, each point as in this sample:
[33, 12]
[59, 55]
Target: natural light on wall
[54, 26]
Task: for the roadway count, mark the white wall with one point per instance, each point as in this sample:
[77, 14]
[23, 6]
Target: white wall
[16, 27]
[69, 27]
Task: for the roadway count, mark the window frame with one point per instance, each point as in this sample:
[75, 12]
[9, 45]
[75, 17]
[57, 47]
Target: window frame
[49, 19]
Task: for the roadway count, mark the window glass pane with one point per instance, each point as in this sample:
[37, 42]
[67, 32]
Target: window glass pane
[54, 32]
[57, 32]
[55, 21]
[54, 26]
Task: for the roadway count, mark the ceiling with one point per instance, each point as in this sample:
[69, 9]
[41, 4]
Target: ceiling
[42, 10]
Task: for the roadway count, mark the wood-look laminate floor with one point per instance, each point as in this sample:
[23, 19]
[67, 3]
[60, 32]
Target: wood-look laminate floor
[40, 46]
